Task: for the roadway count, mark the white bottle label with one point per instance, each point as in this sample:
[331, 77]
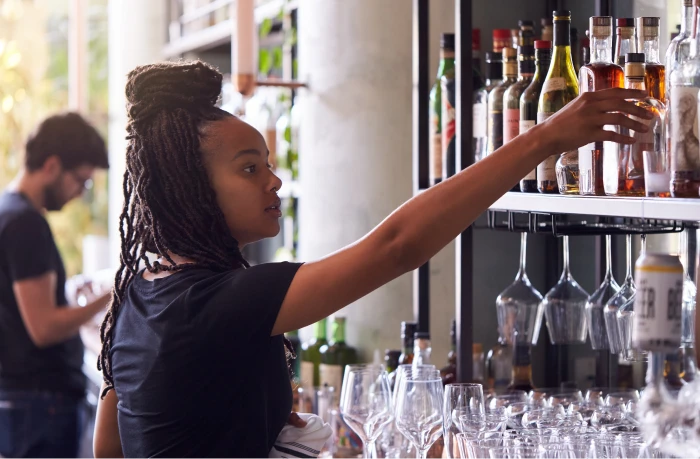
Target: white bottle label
[526, 125]
[333, 376]
[553, 84]
[307, 375]
[658, 308]
[479, 120]
[685, 148]
[546, 170]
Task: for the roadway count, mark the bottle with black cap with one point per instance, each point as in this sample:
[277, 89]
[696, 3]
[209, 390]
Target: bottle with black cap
[624, 175]
[625, 42]
[494, 75]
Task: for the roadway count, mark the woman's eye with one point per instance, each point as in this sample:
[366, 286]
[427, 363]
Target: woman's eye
[250, 169]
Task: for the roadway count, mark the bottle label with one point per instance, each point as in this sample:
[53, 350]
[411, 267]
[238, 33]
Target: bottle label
[511, 125]
[435, 145]
[553, 84]
[448, 127]
[495, 131]
[307, 375]
[546, 170]
[685, 148]
[526, 125]
[658, 308]
[479, 120]
[333, 376]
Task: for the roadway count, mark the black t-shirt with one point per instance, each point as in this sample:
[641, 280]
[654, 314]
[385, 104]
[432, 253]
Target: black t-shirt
[27, 250]
[195, 369]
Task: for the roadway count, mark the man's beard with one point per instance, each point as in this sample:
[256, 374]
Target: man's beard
[52, 197]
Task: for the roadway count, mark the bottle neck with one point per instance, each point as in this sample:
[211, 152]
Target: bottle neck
[608, 258]
[320, 330]
[338, 333]
[686, 17]
[635, 83]
[651, 49]
[421, 351]
[601, 50]
[522, 364]
[562, 33]
[408, 343]
[526, 67]
[494, 70]
[543, 59]
[695, 42]
[510, 70]
[447, 61]
[625, 42]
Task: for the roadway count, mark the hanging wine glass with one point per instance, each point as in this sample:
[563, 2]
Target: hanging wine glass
[519, 306]
[565, 307]
[689, 290]
[625, 318]
[627, 290]
[596, 303]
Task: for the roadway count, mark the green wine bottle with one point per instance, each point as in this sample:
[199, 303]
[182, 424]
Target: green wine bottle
[311, 356]
[447, 63]
[335, 356]
[559, 172]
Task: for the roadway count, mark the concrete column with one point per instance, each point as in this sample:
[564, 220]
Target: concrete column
[355, 145]
[137, 33]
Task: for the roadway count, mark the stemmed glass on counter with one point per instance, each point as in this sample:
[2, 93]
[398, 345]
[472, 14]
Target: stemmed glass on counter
[565, 307]
[366, 404]
[419, 409]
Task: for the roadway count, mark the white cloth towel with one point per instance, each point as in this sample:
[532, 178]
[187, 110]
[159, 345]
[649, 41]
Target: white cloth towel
[302, 442]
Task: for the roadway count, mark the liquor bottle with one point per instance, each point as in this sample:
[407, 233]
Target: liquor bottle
[526, 36]
[448, 373]
[447, 62]
[547, 29]
[672, 371]
[559, 88]
[586, 49]
[334, 356]
[601, 73]
[623, 174]
[391, 360]
[678, 50]
[408, 331]
[529, 101]
[494, 75]
[648, 43]
[499, 366]
[511, 97]
[683, 123]
[293, 337]
[311, 356]
[625, 42]
[422, 348]
[521, 375]
[575, 50]
[494, 118]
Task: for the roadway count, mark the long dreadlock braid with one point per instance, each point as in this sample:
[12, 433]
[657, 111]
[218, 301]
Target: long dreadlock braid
[169, 204]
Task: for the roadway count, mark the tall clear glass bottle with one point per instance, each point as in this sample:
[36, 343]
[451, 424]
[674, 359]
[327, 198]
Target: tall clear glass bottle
[560, 87]
[529, 101]
[494, 75]
[648, 43]
[683, 124]
[495, 107]
[678, 50]
[623, 174]
[599, 74]
[625, 42]
[596, 302]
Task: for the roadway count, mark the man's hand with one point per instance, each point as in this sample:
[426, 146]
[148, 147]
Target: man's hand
[296, 421]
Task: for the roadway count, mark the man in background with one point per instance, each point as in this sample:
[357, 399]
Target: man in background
[42, 386]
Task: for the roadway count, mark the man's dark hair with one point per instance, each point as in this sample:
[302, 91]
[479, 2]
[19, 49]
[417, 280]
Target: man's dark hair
[68, 136]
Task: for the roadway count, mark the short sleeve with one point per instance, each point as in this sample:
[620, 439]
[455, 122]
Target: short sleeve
[27, 247]
[249, 301]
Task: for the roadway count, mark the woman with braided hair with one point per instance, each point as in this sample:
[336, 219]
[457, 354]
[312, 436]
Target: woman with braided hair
[193, 356]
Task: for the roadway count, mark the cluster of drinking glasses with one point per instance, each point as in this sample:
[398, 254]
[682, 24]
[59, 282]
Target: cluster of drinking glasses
[545, 423]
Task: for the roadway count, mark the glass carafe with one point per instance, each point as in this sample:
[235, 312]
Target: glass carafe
[519, 307]
[565, 307]
[625, 319]
[627, 291]
[596, 303]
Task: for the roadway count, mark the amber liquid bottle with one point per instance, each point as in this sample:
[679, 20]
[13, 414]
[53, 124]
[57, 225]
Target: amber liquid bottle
[625, 42]
[648, 43]
[599, 74]
[521, 378]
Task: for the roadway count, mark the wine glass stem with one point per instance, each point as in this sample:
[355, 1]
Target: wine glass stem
[608, 255]
[423, 453]
[523, 255]
[566, 254]
[628, 249]
[369, 449]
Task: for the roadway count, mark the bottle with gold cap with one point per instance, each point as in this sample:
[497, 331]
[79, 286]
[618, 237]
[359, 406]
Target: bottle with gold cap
[648, 43]
[494, 126]
[623, 174]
